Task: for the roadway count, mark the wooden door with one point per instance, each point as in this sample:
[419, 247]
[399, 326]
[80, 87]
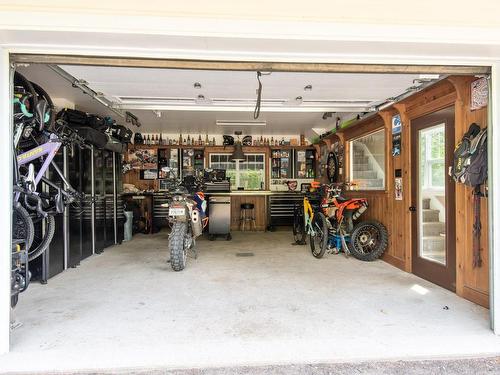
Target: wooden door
[433, 198]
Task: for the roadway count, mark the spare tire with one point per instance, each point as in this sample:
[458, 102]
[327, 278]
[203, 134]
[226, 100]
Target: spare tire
[369, 240]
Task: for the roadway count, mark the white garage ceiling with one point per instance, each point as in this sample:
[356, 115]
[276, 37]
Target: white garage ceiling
[173, 91]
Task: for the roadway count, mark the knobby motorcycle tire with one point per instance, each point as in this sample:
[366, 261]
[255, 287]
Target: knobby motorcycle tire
[319, 224]
[380, 247]
[22, 226]
[176, 245]
[40, 244]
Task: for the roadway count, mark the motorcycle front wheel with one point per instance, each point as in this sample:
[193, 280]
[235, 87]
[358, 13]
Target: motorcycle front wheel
[319, 240]
[177, 246]
[368, 240]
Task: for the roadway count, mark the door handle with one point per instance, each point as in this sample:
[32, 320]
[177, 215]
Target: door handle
[412, 208]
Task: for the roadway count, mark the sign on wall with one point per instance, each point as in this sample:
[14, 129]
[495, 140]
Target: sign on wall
[396, 135]
[143, 158]
[479, 93]
[398, 188]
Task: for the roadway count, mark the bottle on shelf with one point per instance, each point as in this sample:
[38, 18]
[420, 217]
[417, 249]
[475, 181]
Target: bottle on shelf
[157, 141]
[207, 142]
[160, 140]
[188, 140]
[213, 141]
[148, 140]
[200, 142]
[180, 139]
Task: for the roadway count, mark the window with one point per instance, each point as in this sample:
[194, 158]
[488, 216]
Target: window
[367, 161]
[432, 153]
[249, 174]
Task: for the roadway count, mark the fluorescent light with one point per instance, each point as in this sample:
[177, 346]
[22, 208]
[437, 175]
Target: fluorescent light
[240, 105]
[240, 123]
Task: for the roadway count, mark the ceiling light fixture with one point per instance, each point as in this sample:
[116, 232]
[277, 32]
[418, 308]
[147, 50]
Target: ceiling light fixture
[308, 88]
[157, 113]
[240, 123]
[197, 85]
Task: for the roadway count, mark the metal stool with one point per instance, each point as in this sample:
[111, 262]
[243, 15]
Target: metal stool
[247, 215]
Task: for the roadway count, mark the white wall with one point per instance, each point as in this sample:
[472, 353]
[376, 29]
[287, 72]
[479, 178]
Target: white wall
[5, 200]
[400, 12]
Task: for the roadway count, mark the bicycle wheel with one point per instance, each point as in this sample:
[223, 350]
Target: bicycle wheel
[299, 232]
[22, 226]
[44, 232]
[319, 239]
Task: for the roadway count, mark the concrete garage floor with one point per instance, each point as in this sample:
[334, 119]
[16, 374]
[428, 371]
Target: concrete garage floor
[126, 308]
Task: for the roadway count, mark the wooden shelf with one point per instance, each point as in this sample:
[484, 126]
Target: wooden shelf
[220, 147]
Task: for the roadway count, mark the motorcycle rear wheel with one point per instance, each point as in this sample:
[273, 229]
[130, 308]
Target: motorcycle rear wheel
[368, 240]
[177, 247]
[319, 241]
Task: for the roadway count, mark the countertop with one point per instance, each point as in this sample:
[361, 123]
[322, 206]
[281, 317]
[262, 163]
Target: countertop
[232, 193]
[253, 192]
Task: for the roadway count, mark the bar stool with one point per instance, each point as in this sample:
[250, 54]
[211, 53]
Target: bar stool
[247, 214]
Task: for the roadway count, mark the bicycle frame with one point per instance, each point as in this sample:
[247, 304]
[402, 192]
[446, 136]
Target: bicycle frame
[308, 217]
[48, 149]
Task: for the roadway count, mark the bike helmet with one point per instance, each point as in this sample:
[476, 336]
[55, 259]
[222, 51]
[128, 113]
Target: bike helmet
[228, 140]
[247, 140]
[138, 140]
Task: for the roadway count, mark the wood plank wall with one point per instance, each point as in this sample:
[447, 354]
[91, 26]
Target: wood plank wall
[472, 283]
[259, 211]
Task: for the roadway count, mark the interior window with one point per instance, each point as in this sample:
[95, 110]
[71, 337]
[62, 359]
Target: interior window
[367, 161]
[248, 174]
[432, 153]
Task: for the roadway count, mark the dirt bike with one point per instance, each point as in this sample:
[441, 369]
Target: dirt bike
[187, 219]
[334, 229]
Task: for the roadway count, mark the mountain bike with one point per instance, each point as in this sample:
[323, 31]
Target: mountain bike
[309, 220]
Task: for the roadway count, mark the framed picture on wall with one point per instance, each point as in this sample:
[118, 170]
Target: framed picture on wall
[479, 93]
[149, 174]
[143, 159]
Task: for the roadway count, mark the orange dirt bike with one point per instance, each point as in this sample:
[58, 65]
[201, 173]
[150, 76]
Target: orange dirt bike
[332, 227]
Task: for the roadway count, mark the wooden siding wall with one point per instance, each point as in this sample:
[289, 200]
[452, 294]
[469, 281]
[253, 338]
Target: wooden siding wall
[472, 283]
[259, 211]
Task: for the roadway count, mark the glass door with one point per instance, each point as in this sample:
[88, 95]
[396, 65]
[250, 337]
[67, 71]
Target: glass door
[433, 198]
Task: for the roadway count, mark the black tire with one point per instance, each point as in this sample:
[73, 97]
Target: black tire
[332, 167]
[176, 245]
[229, 237]
[319, 241]
[13, 300]
[42, 242]
[299, 231]
[368, 240]
[22, 226]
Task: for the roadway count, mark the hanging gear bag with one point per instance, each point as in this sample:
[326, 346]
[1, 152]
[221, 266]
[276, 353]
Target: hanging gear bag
[470, 167]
